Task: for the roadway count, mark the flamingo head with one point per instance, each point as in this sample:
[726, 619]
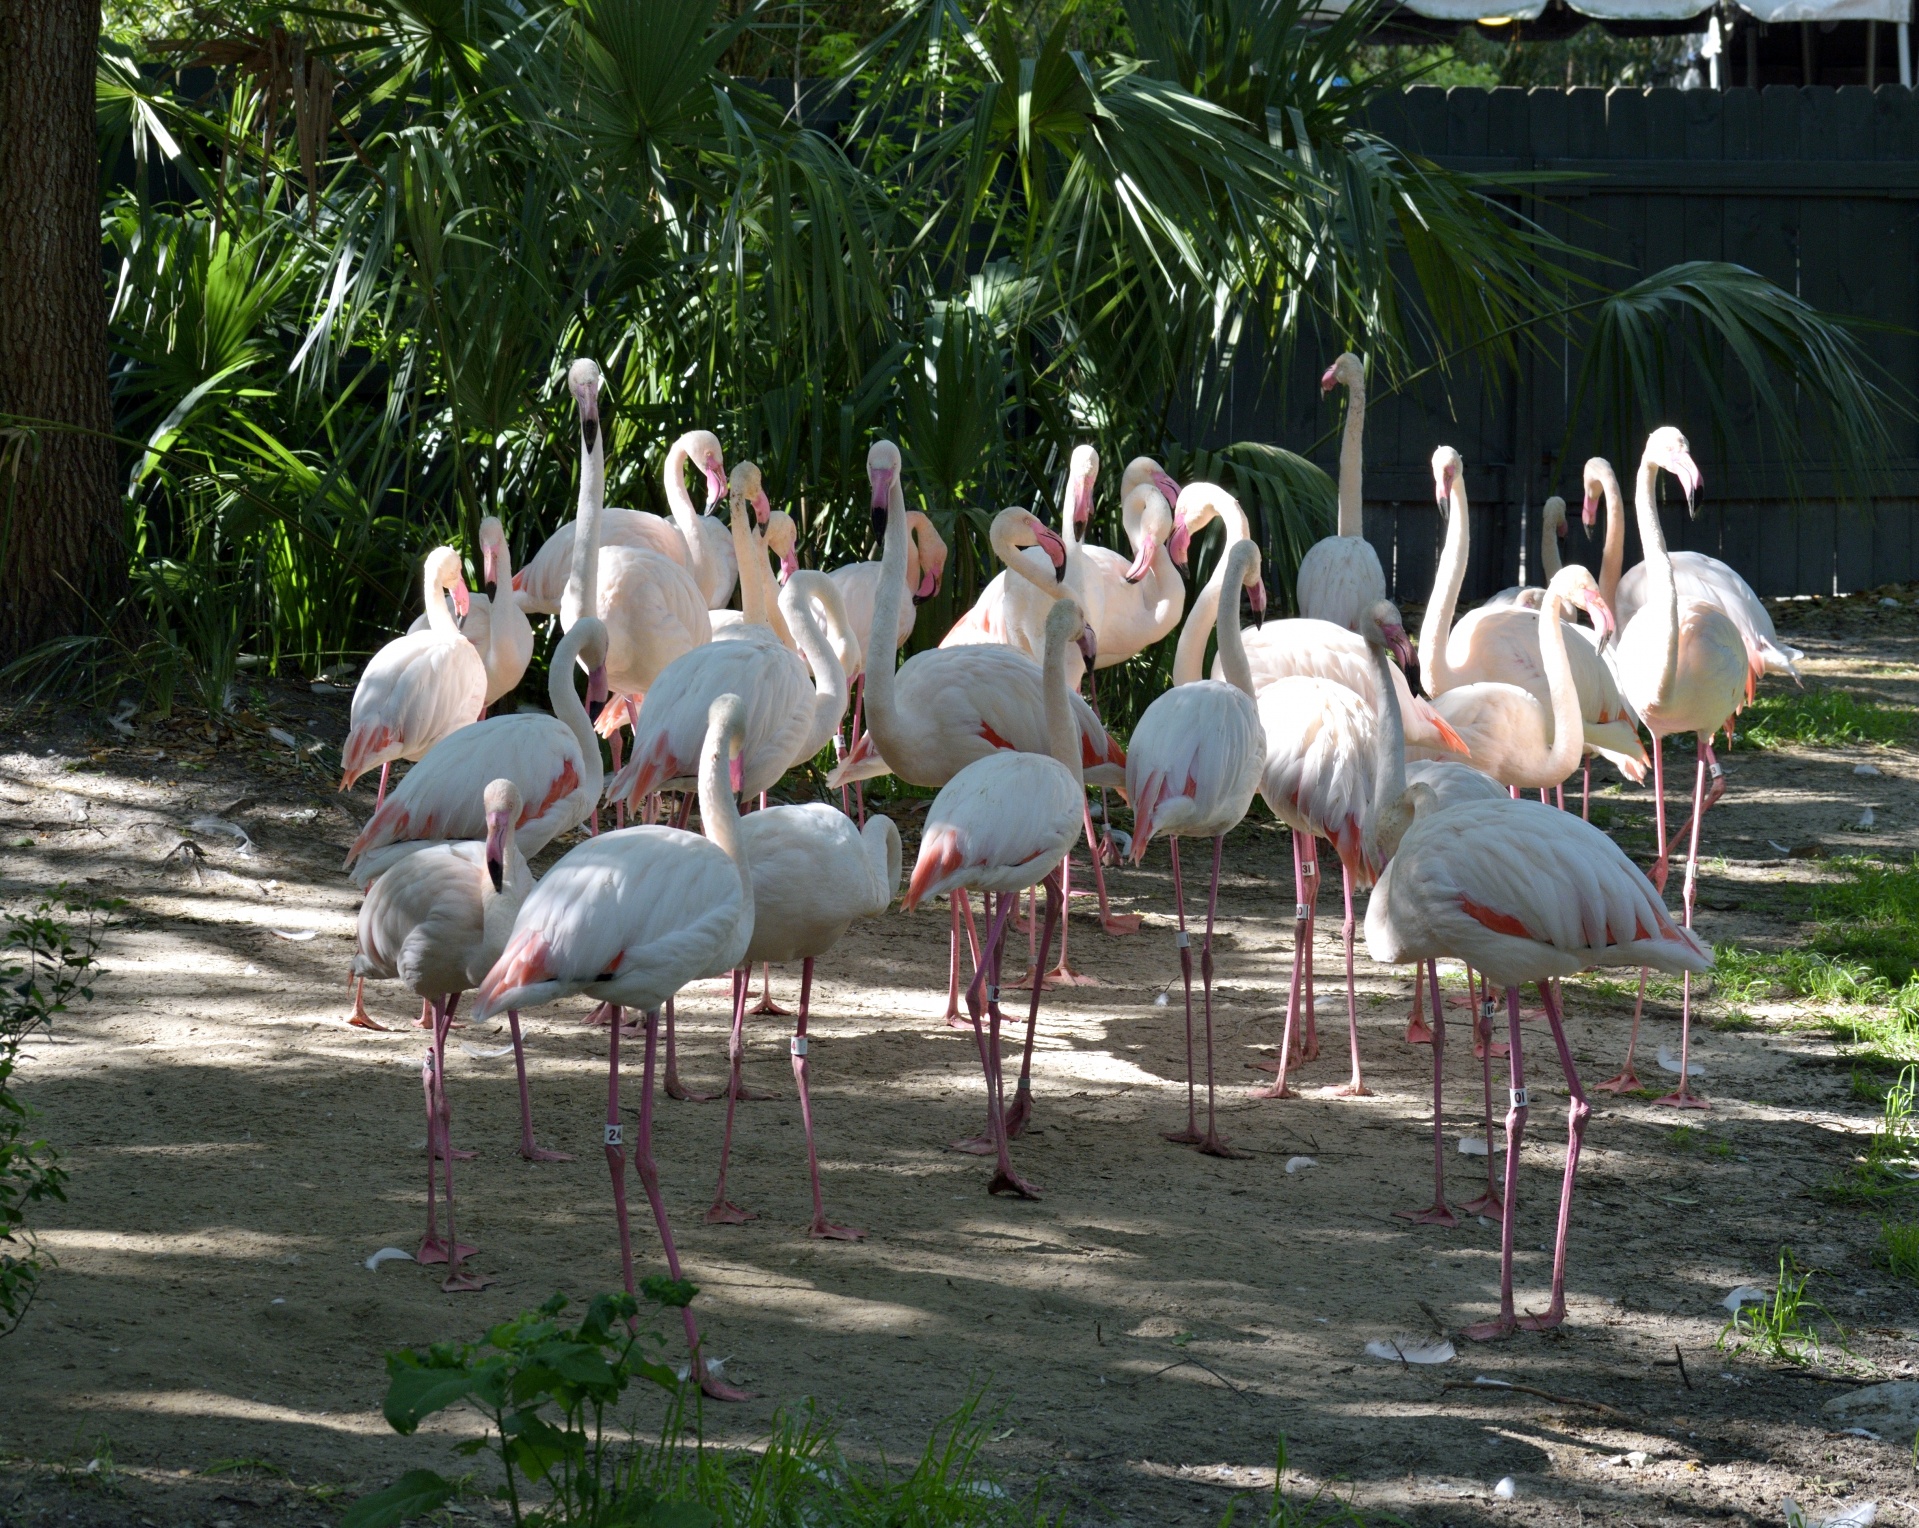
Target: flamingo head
[745, 486]
[503, 803]
[1080, 479]
[883, 472]
[1348, 369]
[1156, 529]
[783, 538]
[726, 734]
[1387, 630]
[1667, 448]
[1240, 569]
[711, 461]
[1594, 479]
[462, 598]
[1168, 489]
[1049, 542]
[1575, 585]
[1088, 641]
[1256, 601]
[583, 380]
[1553, 512]
[1448, 465]
[932, 550]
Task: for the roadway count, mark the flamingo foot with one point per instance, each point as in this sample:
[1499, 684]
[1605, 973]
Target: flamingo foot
[1216, 1145]
[824, 1230]
[1555, 1315]
[365, 1020]
[1059, 976]
[534, 1153]
[1187, 1137]
[1275, 1091]
[1352, 1090]
[1438, 1215]
[959, 1021]
[726, 1213]
[1487, 1204]
[1626, 1082]
[1491, 1331]
[1006, 1181]
[434, 1250]
[1121, 923]
[675, 1089]
[458, 1155]
[1417, 1031]
[717, 1389]
[1497, 1050]
[767, 1005]
[1682, 1098]
[463, 1283]
[976, 1146]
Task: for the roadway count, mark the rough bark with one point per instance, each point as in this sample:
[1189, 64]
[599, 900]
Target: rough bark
[62, 562]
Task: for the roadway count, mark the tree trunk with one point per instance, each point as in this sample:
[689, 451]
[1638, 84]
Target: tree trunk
[62, 559]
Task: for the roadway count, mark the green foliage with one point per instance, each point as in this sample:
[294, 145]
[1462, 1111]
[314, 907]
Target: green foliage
[46, 957]
[1899, 1248]
[1823, 717]
[1781, 1327]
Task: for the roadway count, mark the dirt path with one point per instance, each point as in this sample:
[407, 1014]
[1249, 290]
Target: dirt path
[1149, 1329]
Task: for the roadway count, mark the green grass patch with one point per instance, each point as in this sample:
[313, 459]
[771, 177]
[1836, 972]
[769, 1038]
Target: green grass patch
[1898, 1249]
[1871, 916]
[1782, 1327]
[1823, 717]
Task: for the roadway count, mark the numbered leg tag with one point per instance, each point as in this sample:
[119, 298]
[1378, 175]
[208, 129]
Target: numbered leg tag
[1519, 1098]
[798, 1045]
[1301, 912]
[992, 994]
[616, 1135]
[1180, 941]
[1025, 1085]
[1715, 771]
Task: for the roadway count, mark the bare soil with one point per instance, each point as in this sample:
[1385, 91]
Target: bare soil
[1147, 1331]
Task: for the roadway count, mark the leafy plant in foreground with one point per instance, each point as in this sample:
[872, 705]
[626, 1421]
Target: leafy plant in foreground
[1780, 1327]
[44, 964]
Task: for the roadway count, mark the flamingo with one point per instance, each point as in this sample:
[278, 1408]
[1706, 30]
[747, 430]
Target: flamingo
[419, 688]
[1195, 762]
[814, 873]
[1523, 893]
[629, 918]
[1686, 668]
[710, 557]
[1552, 530]
[497, 626]
[1340, 577]
[1129, 604]
[1504, 646]
[652, 608]
[949, 706]
[542, 584]
[437, 922]
[1695, 575]
[858, 582]
[999, 825]
[1002, 617]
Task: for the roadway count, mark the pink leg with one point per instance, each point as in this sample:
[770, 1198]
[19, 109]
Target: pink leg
[1657, 875]
[1559, 796]
[821, 1226]
[1682, 1097]
[1715, 788]
[1628, 1080]
[1190, 1136]
[1577, 1112]
[439, 1120]
[440, 1023]
[1022, 1109]
[616, 746]
[1438, 1215]
[1112, 922]
[723, 1211]
[766, 1003]
[527, 1149]
[1063, 975]
[1586, 791]
[1309, 1011]
[953, 1020]
[1213, 1144]
[1004, 1179]
[1416, 1031]
[982, 984]
[963, 908]
[360, 1018]
[379, 798]
[1488, 1203]
[685, 813]
[674, 1089]
[1302, 926]
[1357, 1087]
[1516, 1108]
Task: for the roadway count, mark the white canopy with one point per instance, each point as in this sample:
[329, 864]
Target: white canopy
[1656, 10]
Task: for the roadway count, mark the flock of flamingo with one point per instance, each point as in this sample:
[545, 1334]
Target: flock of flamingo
[1420, 796]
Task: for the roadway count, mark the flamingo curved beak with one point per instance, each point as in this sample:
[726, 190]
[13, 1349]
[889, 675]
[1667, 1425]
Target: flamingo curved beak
[1397, 640]
[1329, 378]
[929, 586]
[762, 506]
[1181, 541]
[789, 565]
[882, 481]
[1088, 644]
[1589, 510]
[462, 600]
[589, 426]
[1169, 490]
[1690, 478]
[1256, 597]
[734, 777]
[1143, 563]
[596, 691]
[496, 824]
[490, 565]
[1049, 542]
[1443, 485]
[715, 485]
[1083, 502]
[1601, 613]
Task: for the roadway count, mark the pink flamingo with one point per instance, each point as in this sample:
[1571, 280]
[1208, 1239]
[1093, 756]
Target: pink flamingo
[497, 625]
[542, 583]
[420, 687]
[1011, 610]
[1686, 668]
[1552, 530]
[1340, 577]
[1697, 577]
[1523, 893]
[437, 921]
[814, 873]
[630, 917]
[999, 825]
[1191, 772]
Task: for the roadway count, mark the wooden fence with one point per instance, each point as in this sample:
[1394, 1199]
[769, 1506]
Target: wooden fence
[1816, 189]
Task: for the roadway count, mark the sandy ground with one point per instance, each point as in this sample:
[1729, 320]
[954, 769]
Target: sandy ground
[1147, 1331]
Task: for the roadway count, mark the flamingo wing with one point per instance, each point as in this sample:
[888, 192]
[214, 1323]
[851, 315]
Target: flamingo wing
[1196, 759]
[1340, 579]
[1317, 773]
[1000, 824]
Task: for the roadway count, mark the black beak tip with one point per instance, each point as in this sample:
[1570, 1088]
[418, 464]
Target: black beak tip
[589, 432]
[879, 524]
[494, 870]
[593, 709]
[920, 599]
[1059, 573]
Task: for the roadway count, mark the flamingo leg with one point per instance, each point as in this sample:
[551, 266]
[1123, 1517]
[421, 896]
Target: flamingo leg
[360, 1018]
[1004, 1179]
[1628, 1080]
[439, 1122]
[1022, 1109]
[1488, 1203]
[440, 1025]
[1301, 928]
[1682, 1097]
[616, 746]
[962, 908]
[1559, 795]
[766, 1003]
[1112, 922]
[1190, 1136]
[379, 799]
[1715, 788]
[1063, 974]
[673, 1087]
[1577, 1112]
[1214, 1144]
[1438, 1215]
[978, 987]
[1309, 1009]
[821, 1226]
[685, 813]
[1586, 791]
[1357, 1087]
[723, 1211]
[528, 1150]
[710, 1383]
[1516, 1109]
[1657, 875]
[1416, 1031]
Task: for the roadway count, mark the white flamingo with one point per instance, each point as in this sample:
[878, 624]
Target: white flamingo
[814, 873]
[1686, 668]
[1552, 530]
[1194, 764]
[1339, 577]
[438, 922]
[496, 625]
[999, 825]
[1011, 610]
[420, 687]
[1523, 893]
[629, 918]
